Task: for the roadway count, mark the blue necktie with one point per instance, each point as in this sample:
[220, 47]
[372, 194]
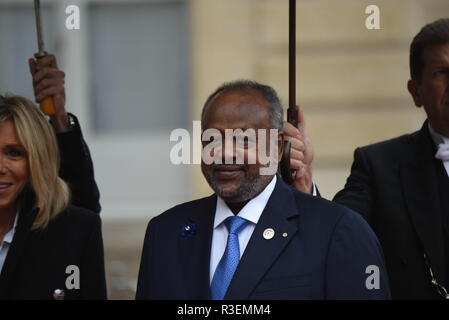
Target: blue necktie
[228, 263]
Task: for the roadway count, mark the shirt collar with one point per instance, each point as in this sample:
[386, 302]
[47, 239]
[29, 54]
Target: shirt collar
[9, 236]
[436, 137]
[251, 211]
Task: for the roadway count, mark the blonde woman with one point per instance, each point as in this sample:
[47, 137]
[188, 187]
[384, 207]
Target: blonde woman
[48, 248]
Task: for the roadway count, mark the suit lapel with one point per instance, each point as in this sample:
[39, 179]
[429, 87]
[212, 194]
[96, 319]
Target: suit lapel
[195, 252]
[419, 183]
[261, 253]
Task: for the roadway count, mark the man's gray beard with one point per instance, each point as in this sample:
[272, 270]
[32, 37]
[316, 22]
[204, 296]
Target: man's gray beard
[249, 189]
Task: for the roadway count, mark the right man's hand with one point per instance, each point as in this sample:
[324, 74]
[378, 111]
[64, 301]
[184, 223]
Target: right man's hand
[301, 153]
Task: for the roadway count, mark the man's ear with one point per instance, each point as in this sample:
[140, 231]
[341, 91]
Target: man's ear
[413, 88]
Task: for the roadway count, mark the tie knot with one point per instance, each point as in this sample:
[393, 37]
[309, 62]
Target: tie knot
[235, 224]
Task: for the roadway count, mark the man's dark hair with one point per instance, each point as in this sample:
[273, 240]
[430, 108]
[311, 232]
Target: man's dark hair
[435, 33]
[275, 109]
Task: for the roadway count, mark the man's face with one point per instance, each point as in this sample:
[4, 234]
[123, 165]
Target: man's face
[237, 110]
[433, 90]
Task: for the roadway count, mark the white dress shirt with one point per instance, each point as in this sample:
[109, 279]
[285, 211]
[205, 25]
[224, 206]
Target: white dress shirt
[7, 239]
[438, 139]
[251, 212]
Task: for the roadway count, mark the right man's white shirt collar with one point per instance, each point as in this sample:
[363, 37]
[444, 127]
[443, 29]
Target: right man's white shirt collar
[251, 211]
[436, 137]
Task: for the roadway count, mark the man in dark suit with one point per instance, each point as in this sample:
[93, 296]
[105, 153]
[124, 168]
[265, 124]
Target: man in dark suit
[401, 186]
[256, 238]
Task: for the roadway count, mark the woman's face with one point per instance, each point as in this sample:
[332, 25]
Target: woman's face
[14, 169]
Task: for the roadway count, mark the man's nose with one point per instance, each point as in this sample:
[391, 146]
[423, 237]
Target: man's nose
[228, 152]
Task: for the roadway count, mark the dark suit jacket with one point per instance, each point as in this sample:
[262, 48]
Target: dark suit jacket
[393, 185]
[324, 255]
[37, 260]
[77, 168]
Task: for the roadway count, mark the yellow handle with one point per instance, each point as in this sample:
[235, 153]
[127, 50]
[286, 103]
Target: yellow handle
[47, 106]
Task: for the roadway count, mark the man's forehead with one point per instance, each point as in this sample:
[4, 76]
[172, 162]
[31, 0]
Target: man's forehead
[240, 97]
[436, 54]
[237, 110]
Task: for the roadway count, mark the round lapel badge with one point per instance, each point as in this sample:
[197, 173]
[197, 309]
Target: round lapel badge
[268, 234]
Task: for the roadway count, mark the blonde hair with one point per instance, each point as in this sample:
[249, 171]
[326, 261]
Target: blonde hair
[51, 193]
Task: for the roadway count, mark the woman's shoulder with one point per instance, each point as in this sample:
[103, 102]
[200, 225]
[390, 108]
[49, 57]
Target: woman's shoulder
[67, 235]
[76, 217]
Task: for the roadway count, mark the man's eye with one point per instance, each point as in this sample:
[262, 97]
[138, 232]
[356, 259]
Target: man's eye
[250, 142]
[442, 72]
[212, 143]
[243, 139]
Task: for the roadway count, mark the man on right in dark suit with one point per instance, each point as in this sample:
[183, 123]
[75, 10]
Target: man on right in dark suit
[401, 186]
[255, 237]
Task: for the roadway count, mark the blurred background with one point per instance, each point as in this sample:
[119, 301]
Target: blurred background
[138, 69]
